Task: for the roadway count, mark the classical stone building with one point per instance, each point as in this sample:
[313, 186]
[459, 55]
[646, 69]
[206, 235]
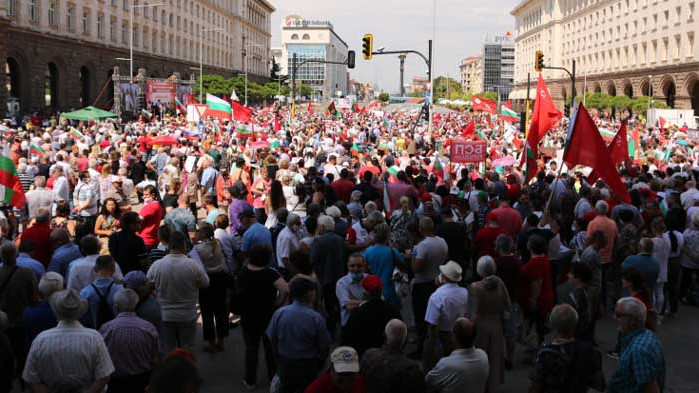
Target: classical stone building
[621, 47]
[471, 70]
[60, 55]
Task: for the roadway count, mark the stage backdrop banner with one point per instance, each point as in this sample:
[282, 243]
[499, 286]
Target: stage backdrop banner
[160, 92]
[463, 151]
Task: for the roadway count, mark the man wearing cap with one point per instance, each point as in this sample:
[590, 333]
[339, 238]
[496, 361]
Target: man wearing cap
[68, 357]
[342, 376]
[299, 338]
[365, 326]
[115, 191]
[446, 305]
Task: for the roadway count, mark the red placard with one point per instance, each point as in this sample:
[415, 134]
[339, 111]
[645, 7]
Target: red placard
[160, 92]
[463, 151]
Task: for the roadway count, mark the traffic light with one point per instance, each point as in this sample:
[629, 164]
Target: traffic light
[367, 46]
[350, 59]
[426, 112]
[539, 61]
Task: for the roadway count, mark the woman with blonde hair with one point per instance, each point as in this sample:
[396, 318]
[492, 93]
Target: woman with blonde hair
[104, 180]
[401, 221]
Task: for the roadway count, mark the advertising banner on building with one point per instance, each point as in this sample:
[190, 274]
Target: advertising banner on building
[128, 95]
[463, 151]
[160, 92]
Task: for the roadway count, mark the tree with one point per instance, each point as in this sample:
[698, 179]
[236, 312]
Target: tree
[383, 97]
[489, 95]
[442, 85]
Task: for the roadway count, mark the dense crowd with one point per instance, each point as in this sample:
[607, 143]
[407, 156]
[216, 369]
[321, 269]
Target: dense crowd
[347, 245]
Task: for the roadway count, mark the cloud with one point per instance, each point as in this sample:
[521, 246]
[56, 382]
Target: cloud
[462, 26]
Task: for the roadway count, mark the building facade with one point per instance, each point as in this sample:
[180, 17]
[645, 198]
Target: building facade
[418, 85]
[499, 65]
[314, 40]
[630, 47]
[471, 70]
[60, 54]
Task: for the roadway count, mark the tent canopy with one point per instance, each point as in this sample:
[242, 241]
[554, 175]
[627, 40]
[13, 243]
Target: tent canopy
[88, 113]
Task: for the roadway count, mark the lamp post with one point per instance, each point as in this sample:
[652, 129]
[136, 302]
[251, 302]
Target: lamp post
[133, 7]
[201, 59]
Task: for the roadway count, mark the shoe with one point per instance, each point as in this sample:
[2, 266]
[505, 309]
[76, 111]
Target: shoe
[233, 321]
[248, 387]
[613, 355]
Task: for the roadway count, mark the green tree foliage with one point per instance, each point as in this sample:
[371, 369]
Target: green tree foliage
[383, 97]
[220, 86]
[490, 95]
[444, 85]
[601, 101]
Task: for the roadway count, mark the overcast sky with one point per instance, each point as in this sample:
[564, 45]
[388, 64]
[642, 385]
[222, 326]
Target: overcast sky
[462, 26]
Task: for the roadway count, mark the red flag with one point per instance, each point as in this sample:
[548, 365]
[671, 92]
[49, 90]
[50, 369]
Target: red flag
[241, 112]
[586, 147]
[662, 121]
[618, 151]
[544, 115]
[508, 104]
[310, 108]
[470, 129]
[277, 124]
[484, 104]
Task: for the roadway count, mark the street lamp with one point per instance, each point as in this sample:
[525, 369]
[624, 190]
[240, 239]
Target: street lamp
[248, 44]
[201, 59]
[133, 6]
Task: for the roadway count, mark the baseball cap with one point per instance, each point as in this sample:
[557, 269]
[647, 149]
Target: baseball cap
[372, 283]
[345, 360]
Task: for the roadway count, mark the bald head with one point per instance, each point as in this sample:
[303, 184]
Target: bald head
[464, 331]
[396, 333]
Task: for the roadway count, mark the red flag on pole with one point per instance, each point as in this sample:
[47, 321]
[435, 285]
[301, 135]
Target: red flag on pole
[661, 122]
[618, 151]
[310, 107]
[586, 147]
[470, 129]
[544, 115]
[484, 104]
[241, 112]
[277, 124]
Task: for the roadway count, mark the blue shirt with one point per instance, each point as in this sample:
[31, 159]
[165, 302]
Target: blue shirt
[641, 362]
[298, 332]
[24, 260]
[181, 219]
[211, 216]
[645, 264]
[36, 320]
[381, 260]
[208, 179]
[257, 234]
[93, 301]
[62, 257]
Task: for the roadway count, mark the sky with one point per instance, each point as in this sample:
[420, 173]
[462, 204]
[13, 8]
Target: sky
[462, 26]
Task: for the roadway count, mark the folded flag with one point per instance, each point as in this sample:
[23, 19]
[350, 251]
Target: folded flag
[11, 191]
[36, 150]
[75, 134]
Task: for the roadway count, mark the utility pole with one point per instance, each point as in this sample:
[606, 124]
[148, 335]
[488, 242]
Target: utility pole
[402, 73]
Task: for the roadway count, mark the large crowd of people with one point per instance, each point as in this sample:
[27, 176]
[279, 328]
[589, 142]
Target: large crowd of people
[349, 246]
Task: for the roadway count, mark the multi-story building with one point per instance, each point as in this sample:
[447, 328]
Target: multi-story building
[314, 40]
[418, 85]
[72, 47]
[471, 70]
[630, 47]
[498, 65]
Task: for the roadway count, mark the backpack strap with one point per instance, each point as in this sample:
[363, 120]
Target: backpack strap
[103, 298]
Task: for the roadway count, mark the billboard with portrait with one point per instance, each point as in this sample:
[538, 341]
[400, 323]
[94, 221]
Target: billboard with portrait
[128, 94]
[160, 92]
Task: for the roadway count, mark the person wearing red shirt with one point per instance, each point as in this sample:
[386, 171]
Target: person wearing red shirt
[342, 376]
[343, 186]
[508, 219]
[40, 234]
[151, 214]
[536, 288]
[485, 237]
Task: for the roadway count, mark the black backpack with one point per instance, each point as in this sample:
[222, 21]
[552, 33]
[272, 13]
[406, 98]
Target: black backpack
[105, 313]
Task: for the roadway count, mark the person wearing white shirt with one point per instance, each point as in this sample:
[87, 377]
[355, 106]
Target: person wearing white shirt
[447, 304]
[60, 185]
[288, 240]
[687, 197]
[81, 272]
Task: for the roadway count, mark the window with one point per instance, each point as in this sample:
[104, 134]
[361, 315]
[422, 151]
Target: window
[112, 29]
[114, 3]
[70, 14]
[691, 11]
[676, 48]
[678, 14]
[11, 11]
[52, 13]
[294, 36]
[124, 33]
[33, 17]
[146, 10]
[689, 45]
[86, 22]
[135, 36]
[306, 37]
[665, 50]
[126, 5]
[154, 41]
[100, 26]
[145, 38]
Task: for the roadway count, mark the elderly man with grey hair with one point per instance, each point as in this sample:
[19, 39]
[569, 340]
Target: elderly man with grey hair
[552, 369]
[327, 259]
[645, 263]
[81, 272]
[388, 369]
[40, 317]
[132, 343]
[288, 241]
[39, 197]
[68, 357]
[641, 366]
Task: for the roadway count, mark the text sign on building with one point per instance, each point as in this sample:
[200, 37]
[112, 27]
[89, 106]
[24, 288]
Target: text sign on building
[160, 92]
[463, 151]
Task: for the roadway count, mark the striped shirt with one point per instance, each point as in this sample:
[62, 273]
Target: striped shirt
[132, 343]
[68, 355]
[26, 179]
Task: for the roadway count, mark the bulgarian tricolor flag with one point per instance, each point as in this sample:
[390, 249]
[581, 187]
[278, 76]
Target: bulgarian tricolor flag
[355, 107]
[11, 192]
[508, 114]
[438, 170]
[75, 134]
[218, 108]
[36, 150]
[244, 130]
[179, 107]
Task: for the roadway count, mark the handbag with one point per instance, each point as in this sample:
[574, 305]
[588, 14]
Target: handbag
[400, 279]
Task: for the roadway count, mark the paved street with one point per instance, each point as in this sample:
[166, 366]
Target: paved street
[222, 372]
